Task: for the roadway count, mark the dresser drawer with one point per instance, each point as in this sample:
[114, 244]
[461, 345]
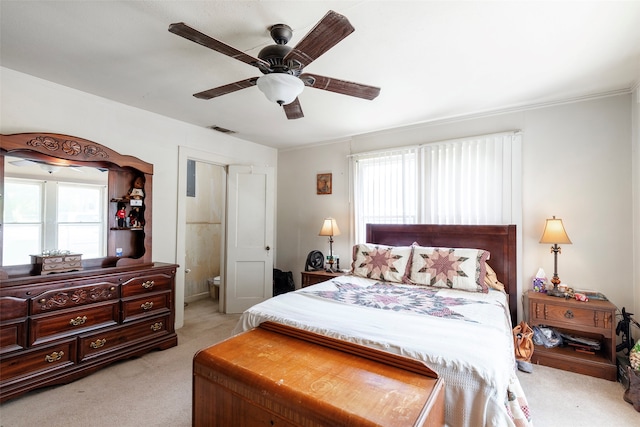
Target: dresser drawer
[13, 336]
[56, 356]
[45, 328]
[95, 344]
[146, 284]
[13, 322]
[65, 298]
[13, 308]
[147, 305]
[571, 316]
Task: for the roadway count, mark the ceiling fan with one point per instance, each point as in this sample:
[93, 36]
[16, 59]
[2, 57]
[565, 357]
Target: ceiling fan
[47, 167]
[282, 66]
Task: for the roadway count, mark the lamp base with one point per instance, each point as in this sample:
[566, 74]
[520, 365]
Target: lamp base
[555, 292]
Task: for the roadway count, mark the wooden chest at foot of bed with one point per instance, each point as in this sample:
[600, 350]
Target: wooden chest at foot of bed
[276, 375]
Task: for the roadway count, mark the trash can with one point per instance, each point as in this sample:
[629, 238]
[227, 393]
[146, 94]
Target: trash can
[214, 287]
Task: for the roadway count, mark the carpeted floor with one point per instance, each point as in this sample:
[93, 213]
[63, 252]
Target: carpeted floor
[155, 390]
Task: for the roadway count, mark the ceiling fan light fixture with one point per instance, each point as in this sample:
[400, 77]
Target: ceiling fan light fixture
[281, 88]
[49, 168]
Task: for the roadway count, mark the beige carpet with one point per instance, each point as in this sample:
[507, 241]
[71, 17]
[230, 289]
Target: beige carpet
[155, 390]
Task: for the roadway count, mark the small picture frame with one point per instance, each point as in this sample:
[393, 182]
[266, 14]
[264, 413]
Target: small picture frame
[323, 183]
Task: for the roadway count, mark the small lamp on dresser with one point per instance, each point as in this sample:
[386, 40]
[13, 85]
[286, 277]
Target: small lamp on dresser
[330, 228]
[555, 234]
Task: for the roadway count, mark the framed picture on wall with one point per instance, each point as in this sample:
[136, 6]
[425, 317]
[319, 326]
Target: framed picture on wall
[323, 184]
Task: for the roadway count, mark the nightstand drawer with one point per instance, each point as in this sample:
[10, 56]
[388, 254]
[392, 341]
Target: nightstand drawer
[312, 277]
[570, 316]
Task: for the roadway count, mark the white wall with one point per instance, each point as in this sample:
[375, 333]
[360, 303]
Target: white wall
[576, 165]
[29, 104]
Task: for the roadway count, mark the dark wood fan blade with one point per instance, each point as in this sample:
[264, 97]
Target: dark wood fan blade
[340, 86]
[183, 30]
[293, 110]
[223, 90]
[327, 33]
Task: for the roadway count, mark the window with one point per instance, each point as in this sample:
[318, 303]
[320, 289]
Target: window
[464, 181]
[23, 220]
[78, 224]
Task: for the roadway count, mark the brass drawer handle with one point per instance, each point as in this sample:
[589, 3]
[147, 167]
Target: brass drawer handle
[98, 343]
[54, 357]
[147, 305]
[148, 284]
[78, 321]
[112, 288]
[568, 314]
[156, 326]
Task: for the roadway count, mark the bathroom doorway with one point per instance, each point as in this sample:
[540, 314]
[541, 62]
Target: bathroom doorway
[204, 229]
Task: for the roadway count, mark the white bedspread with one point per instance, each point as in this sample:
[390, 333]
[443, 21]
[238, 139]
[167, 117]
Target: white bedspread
[473, 355]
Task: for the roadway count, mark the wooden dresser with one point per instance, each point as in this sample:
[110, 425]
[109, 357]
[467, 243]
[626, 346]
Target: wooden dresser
[63, 317]
[591, 319]
[276, 375]
[60, 327]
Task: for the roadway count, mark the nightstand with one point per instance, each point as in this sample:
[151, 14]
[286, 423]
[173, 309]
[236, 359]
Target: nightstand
[592, 319]
[312, 277]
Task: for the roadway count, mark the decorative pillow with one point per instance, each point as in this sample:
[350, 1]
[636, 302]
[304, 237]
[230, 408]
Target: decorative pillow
[380, 262]
[454, 268]
[491, 279]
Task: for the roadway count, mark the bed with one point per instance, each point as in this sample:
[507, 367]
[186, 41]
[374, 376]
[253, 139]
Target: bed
[463, 334]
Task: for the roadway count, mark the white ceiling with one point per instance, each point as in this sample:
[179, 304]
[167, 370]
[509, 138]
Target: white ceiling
[433, 60]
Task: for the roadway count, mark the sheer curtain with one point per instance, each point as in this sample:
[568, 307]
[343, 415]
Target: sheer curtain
[463, 181]
[385, 188]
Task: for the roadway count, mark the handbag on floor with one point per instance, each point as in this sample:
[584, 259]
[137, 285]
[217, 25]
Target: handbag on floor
[523, 342]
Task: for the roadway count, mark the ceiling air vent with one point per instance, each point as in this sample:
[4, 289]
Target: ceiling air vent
[223, 130]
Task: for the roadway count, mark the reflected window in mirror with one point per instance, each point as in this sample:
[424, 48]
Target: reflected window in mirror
[53, 209]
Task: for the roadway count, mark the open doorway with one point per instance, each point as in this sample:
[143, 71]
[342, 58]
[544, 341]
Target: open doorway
[204, 229]
[185, 154]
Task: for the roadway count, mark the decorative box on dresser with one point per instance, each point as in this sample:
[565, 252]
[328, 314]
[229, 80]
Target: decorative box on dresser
[63, 317]
[312, 277]
[592, 319]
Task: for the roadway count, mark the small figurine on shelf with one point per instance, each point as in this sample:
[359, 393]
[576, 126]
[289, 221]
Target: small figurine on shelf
[137, 189]
[120, 215]
[135, 219]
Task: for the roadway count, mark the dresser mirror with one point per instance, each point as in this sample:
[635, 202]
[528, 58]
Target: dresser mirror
[48, 208]
[63, 194]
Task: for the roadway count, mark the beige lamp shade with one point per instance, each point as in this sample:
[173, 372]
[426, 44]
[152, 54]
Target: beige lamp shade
[329, 228]
[554, 232]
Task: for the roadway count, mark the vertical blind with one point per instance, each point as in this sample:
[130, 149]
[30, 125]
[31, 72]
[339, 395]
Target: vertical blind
[462, 181]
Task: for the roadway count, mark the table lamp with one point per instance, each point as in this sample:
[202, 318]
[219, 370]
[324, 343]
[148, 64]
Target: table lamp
[554, 233]
[330, 228]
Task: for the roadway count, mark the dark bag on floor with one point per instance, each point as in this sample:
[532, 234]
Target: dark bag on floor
[282, 282]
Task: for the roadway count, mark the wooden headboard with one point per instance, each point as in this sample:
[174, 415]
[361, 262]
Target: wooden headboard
[499, 240]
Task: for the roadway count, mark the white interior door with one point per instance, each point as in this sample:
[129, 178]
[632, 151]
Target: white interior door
[249, 261]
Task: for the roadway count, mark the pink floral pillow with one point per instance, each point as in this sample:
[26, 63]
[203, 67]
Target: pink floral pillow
[380, 262]
[454, 268]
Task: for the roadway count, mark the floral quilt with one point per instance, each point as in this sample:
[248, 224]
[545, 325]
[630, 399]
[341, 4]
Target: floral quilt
[383, 296]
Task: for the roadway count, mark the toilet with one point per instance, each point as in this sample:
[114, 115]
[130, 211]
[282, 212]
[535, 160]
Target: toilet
[214, 287]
